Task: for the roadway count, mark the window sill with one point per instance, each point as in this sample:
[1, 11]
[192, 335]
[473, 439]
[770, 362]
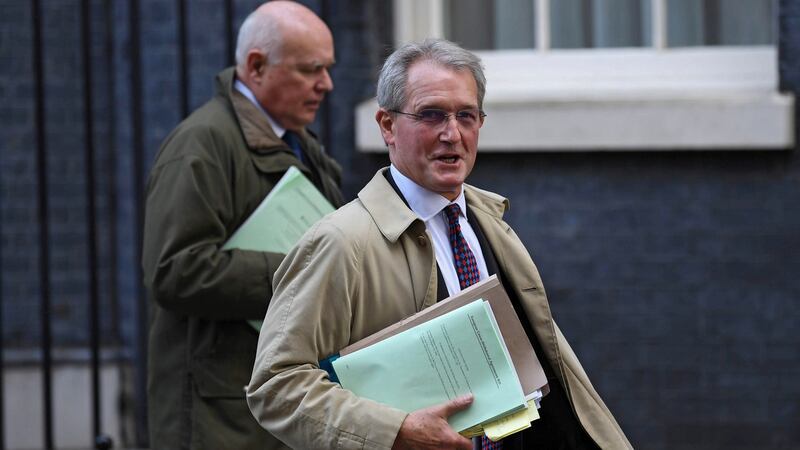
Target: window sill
[626, 99]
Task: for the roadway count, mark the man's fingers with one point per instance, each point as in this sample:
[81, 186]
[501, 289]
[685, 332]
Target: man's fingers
[456, 405]
[428, 428]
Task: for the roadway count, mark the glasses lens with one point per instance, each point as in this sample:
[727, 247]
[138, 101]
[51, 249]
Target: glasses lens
[468, 117]
[432, 116]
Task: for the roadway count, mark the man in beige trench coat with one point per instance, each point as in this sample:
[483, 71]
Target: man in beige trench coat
[387, 255]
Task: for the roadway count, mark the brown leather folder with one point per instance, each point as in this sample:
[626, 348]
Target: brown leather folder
[529, 370]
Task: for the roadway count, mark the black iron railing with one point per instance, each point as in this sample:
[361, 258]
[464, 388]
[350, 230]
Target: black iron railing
[42, 209]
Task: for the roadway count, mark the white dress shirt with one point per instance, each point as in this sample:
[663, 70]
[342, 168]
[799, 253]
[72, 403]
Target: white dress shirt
[428, 206]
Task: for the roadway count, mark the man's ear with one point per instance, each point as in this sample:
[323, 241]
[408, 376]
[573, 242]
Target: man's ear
[256, 64]
[386, 123]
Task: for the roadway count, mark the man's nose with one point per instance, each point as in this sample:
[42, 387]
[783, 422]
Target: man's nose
[450, 132]
[325, 83]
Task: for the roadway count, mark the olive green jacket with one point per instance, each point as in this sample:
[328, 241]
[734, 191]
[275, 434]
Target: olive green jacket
[366, 266]
[210, 174]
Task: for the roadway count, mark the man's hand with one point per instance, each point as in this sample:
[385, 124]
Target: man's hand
[428, 428]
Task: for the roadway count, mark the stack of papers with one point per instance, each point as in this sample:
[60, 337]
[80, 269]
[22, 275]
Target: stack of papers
[281, 219]
[439, 360]
[471, 342]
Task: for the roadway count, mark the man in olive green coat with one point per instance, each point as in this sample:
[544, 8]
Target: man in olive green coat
[387, 255]
[210, 174]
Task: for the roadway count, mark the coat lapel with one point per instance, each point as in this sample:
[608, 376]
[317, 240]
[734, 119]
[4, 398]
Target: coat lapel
[400, 226]
[514, 261]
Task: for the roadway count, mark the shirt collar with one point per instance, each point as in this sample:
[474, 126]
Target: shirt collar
[423, 202]
[241, 87]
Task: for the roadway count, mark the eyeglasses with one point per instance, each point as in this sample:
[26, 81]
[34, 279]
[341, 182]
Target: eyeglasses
[467, 118]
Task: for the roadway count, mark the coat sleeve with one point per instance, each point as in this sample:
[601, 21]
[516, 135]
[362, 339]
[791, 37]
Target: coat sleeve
[189, 201]
[310, 317]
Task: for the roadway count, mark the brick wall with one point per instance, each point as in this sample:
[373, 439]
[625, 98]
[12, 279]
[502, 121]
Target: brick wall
[673, 274]
[18, 170]
[64, 135]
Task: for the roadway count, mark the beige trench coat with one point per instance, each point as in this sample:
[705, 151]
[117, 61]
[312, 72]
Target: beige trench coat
[364, 267]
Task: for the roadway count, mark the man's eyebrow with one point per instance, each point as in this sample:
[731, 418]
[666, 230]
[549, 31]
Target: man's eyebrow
[319, 63]
[439, 106]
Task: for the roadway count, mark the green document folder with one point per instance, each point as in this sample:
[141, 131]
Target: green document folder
[457, 353]
[285, 214]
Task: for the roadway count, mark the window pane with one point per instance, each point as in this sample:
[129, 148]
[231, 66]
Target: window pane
[490, 24]
[570, 24]
[720, 22]
[744, 23]
[470, 23]
[514, 24]
[599, 23]
[685, 22]
[617, 23]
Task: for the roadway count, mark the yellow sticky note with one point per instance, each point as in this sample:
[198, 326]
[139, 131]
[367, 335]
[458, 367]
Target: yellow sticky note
[533, 412]
[512, 423]
[507, 425]
[472, 432]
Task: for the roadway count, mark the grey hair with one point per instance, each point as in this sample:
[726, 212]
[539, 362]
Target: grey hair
[394, 73]
[262, 32]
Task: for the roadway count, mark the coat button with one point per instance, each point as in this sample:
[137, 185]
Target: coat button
[422, 240]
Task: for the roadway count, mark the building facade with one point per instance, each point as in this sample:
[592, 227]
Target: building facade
[672, 269]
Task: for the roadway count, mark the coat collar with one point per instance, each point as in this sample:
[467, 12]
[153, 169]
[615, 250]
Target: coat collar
[488, 202]
[257, 131]
[388, 211]
[393, 217]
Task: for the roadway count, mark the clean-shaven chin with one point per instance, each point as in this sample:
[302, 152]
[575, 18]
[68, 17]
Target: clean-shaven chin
[449, 177]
